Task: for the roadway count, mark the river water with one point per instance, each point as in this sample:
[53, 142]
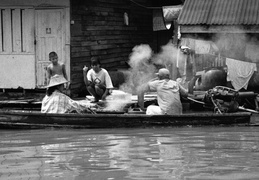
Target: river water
[186, 153]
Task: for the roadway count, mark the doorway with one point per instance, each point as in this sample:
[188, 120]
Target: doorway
[50, 36]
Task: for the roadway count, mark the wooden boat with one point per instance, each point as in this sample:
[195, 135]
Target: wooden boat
[35, 119]
[26, 114]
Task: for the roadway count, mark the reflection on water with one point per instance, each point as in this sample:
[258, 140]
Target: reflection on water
[115, 154]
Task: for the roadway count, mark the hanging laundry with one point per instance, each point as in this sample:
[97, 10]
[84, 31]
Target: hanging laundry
[202, 47]
[181, 62]
[239, 72]
[188, 42]
[158, 20]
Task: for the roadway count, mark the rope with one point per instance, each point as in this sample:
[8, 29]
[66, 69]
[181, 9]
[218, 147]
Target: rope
[196, 101]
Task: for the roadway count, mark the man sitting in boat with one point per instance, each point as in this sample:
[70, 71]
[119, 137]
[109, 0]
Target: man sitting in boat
[56, 101]
[168, 94]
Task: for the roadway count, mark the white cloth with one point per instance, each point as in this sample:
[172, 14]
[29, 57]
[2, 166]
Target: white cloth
[102, 77]
[154, 110]
[239, 72]
[181, 62]
[168, 95]
[200, 46]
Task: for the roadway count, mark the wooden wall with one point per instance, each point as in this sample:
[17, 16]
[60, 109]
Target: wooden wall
[98, 29]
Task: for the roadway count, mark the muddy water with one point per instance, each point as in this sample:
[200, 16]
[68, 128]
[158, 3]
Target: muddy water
[141, 154]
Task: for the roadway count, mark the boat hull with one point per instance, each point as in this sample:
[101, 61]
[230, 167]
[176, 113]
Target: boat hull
[30, 119]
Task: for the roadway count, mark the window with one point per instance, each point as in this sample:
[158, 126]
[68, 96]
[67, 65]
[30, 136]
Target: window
[16, 30]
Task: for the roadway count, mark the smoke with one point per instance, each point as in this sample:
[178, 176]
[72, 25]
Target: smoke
[143, 66]
[232, 45]
[141, 71]
[117, 101]
[167, 56]
[140, 56]
[252, 52]
[240, 46]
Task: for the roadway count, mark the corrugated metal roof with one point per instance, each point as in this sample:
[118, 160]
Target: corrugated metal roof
[219, 12]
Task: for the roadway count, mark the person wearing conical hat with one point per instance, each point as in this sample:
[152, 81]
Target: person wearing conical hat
[56, 101]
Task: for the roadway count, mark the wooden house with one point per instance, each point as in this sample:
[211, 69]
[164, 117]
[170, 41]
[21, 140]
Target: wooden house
[29, 30]
[75, 29]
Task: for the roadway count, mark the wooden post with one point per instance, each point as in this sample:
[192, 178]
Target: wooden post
[256, 103]
[141, 100]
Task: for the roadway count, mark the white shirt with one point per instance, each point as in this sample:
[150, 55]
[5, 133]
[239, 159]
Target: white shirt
[102, 77]
[168, 95]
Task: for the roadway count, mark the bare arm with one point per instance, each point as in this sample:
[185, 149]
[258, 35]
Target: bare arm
[64, 71]
[156, 78]
[105, 94]
[145, 86]
[85, 69]
[48, 74]
[183, 91]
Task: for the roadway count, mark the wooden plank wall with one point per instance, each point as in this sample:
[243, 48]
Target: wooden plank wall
[98, 29]
[1, 36]
[7, 43]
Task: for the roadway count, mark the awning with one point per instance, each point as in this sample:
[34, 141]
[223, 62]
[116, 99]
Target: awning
[219, 12]
[224, 16]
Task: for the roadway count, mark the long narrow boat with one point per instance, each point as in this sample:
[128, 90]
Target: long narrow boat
[35, 119]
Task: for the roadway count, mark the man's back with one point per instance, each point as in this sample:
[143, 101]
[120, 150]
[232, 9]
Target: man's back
[168, 95]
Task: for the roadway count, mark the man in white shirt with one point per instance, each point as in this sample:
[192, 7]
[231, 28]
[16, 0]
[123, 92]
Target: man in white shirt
[97, 80]
[168, 94]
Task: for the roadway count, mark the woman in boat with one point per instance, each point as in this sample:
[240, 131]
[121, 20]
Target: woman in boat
[56, 101]
[168, 94]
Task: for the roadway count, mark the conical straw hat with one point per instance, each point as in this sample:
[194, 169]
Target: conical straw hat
[56, 80]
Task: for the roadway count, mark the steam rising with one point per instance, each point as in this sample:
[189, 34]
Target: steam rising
[240, 46]
[143, 66]
[167, 57]
[144, 63]
[117, 101]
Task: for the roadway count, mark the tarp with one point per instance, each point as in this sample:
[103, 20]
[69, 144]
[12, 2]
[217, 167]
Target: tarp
[164, 16]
